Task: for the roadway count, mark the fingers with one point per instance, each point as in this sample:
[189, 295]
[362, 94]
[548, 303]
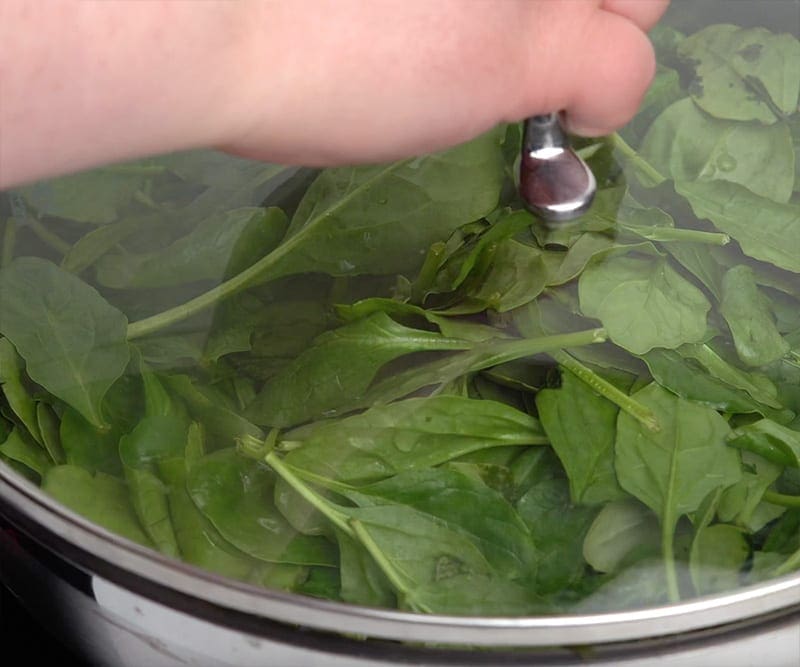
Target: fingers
[613, 67]
[644, 13]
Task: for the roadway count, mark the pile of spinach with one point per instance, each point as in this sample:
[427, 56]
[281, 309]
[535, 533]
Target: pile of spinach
[394, 387]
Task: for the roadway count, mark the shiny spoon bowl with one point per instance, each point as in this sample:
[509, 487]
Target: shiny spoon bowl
[555, 183]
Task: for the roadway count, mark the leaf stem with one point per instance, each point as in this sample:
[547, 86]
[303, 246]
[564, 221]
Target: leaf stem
[782, 499]
[325, 482]
[327, 508]
[668, 553]
[222, 291]
[648, 174]
[255, 448]
[392, 574]
[510, 350]
[678, 234]
[639, 412]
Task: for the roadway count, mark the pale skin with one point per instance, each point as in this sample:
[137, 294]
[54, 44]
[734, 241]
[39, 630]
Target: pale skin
[318, 82]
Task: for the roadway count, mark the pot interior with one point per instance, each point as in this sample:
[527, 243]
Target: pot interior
[390, 395]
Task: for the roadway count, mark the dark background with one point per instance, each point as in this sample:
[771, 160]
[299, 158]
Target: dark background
[21, 634]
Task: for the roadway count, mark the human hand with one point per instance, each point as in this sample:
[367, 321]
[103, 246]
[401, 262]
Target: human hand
[321, 82]
[344, 81]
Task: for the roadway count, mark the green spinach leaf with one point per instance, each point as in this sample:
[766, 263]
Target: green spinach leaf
[643, 303]
[85, 349]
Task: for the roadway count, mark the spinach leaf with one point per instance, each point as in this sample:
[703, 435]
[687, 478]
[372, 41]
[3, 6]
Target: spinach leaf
[154, 438]
[517, 276]
[100, 240]
[94, 197]
[564, 266]
[640, 585]
[452, 497]
[100, 498]
[432, 566]
[335, 372]
[438, 373]
[412, 434]
[406, 206]
[743, 73]
[215, 410]
[765, 229]
[719, 553]
[687, 145]
[464, 253]
[774, 442]
[87, 446]
[72, 340]
[48, 424]
[643, 303]
[17, 395]
[199, 542]
[219, 245]
[759, 387]
[278, 330]
[362, 581]
[687, 377]
[558, 528]
[581, 426]
[235, 493]
[341, 220]
[750, 319]
[673, 470]
[19, 447]
[621, 528]
[743, 503]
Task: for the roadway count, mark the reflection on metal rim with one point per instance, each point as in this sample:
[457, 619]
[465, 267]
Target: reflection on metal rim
[119, 558]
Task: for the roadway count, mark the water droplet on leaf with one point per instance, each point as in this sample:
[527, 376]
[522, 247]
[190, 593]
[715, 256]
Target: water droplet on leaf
[726, 162]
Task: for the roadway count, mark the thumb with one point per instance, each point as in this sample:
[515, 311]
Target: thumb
[608, 75]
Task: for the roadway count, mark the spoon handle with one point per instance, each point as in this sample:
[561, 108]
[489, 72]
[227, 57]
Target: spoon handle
[544, 132]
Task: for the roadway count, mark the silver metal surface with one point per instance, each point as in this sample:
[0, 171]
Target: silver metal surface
[118, 560]
[555, 183]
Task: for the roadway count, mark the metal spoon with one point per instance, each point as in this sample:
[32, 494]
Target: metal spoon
[556, 184]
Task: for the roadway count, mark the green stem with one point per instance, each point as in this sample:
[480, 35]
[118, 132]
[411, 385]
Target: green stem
[789, 565]
[222, 291]
[678, 234]
[325, 482]
[440, 372]
[146, 200]
[255, 448]
[639, 412]
[781, 499]
[395, 578]
[257, 272]
[510, 350]
[9, 241]
[49, 238]
[668, 553]
[327, 508]
[648, 174]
